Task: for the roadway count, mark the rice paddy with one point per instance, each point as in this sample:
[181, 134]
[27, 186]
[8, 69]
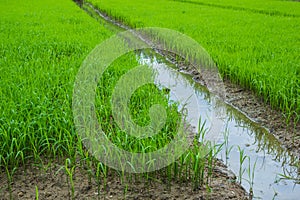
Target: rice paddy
[41, 52]
[254, 43]
[43, 45]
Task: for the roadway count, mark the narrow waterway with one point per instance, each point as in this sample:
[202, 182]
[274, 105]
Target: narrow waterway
[266, 161]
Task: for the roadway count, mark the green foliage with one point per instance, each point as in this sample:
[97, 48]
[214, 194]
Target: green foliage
[254, 43]
[266, 7]
[140, 103]
[41, 51]
[43, 44]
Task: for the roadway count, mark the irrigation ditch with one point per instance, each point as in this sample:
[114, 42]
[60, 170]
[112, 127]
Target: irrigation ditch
[259, 145]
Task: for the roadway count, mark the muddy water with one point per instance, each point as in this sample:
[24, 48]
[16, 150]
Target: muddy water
[235, 131]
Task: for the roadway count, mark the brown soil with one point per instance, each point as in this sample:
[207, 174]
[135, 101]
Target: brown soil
[54, 184]
[273, 120]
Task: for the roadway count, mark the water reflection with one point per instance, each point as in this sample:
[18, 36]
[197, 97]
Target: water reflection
[276, 170]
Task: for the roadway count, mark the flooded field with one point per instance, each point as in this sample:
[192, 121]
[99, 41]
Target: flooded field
[265, 164]
[212, 112]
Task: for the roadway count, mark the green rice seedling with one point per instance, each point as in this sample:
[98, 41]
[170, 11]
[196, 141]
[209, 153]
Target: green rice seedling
[125, 190]
[169, 177]
[198, 170]
[36, 193]
[201, 131]
[70, 169]
[101, 176]
[180, 170]
[242, 157]
[176, 170]
[90, 173]
[185, 165]
[251, 172]
[213, 151]
[226, 145]
[9, 174]
[209, 167]
[98, 178]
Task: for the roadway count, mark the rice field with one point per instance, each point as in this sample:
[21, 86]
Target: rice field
[43, 44]
[41, 51]
[254, 43]
[42, 47]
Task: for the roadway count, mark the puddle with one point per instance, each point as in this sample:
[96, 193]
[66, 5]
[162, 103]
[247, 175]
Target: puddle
[258, 144]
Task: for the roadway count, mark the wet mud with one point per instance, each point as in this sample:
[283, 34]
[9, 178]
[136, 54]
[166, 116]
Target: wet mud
[54, 183]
